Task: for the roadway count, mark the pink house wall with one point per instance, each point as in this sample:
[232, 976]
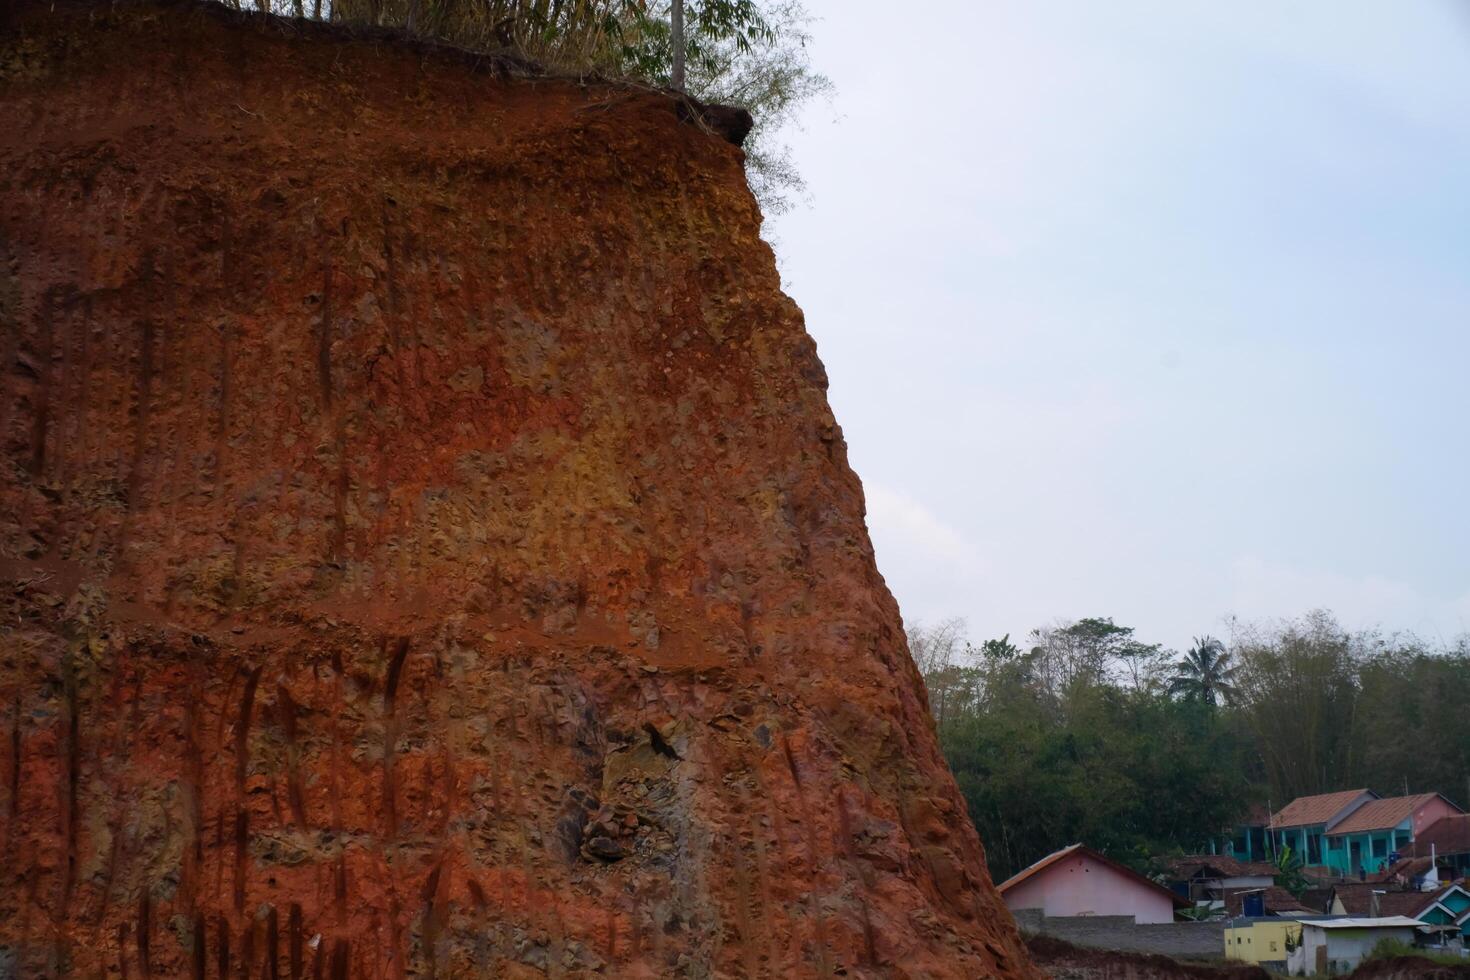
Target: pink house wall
[1079, 885]
[1430, 812]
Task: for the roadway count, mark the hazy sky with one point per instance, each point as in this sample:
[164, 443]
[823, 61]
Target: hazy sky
[1152, 310]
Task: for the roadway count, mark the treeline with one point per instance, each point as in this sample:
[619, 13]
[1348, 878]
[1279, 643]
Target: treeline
[1084, 732]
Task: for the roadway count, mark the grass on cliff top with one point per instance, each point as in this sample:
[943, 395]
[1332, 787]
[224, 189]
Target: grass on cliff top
[751, 54]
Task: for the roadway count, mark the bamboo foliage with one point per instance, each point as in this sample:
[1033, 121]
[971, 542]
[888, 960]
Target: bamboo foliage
[623, 38]
[579, 35]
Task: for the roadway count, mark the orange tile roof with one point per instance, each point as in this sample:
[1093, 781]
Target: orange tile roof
[1382, 814]
[1307, 810]
[1449, 835]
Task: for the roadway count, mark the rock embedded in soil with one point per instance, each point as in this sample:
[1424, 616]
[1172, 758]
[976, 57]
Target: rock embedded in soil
[604, 849]
[426, 545]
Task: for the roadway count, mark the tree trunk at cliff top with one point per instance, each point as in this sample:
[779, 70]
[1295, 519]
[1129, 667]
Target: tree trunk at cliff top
[427, 548]
[677, 43]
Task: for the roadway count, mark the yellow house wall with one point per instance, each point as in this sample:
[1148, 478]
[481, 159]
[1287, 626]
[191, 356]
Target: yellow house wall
[1259, 942]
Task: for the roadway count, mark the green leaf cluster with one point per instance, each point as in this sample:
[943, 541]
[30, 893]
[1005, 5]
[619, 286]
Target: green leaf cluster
[1089, 734]
[1129, 770]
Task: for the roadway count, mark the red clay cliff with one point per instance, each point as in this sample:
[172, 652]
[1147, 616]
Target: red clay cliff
[425, 545]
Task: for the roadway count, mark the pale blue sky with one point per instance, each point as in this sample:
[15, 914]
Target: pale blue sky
[1153, 310]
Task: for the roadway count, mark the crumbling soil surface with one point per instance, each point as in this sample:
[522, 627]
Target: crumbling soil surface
[1410, 968]
[1063, 961]
[425, 545]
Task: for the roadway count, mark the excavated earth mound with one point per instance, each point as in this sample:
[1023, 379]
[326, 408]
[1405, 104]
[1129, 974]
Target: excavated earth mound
[1063, 961]
[1410, 968]
[426, 545]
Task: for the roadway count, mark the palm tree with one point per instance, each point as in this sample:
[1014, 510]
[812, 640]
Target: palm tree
[1204, 673]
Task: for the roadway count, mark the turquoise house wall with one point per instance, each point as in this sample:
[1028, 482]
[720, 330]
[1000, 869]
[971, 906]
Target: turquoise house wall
[1247, 844]
[1305, 842]
[1339, 855]
[1335, 851]
[1459, 904]
[1374, 848]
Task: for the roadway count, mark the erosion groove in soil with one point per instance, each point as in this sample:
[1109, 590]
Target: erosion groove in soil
[426, 545]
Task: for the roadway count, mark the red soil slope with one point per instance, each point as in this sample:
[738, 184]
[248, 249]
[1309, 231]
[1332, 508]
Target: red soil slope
[1410, 968]
[427, 548]
[1063, 961]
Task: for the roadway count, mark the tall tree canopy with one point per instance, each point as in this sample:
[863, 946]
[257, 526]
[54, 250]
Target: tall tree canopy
[1091, 734]
[1205, 673]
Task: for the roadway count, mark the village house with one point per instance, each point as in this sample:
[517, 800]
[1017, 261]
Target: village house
[1078, 881]
[1264, 941]
[1304, 823]
[1406, 874]
[1248, 843]
[1447, 841]
[1356, 833]
[1273, 900]
[1339, 945]
[1083, 897]
[1362, 842]
[1438, 907]
[1209, 877]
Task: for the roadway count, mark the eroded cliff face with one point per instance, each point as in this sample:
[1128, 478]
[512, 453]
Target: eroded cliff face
[427, 547]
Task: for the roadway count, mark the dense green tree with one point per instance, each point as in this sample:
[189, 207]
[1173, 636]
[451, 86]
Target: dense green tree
[1092, 735]
[1058, 744]
[771, 75]
[1409, 716]
[1204, 674]
[1001, 649]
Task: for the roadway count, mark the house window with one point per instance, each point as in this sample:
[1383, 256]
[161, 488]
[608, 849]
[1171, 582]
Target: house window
[1380, 847]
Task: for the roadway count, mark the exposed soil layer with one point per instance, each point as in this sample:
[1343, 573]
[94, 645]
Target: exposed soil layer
[1410, 968]
[425, 545]
[1063, 961]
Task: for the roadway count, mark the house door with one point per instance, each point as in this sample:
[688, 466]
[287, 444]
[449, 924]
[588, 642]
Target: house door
[1322, 959]
[1356, 863]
